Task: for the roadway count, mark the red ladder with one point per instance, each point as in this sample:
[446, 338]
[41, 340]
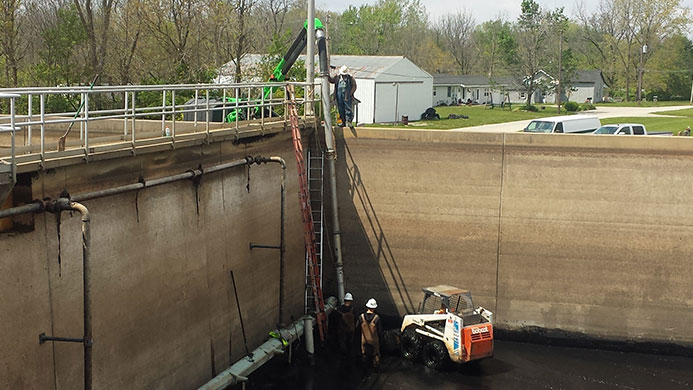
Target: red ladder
[307, 213]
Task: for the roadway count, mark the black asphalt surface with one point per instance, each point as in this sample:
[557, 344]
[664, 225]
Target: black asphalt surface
[514, 366]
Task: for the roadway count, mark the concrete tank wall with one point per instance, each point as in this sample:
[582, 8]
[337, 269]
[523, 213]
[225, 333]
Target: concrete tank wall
[583, 234]
[164, 310]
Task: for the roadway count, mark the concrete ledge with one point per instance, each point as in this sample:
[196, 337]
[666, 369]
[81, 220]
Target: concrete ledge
[558, 337]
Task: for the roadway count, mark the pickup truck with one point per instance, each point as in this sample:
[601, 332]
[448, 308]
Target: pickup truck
[626, 129]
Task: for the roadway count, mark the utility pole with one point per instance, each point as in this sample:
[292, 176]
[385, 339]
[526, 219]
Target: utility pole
[310, 54]
[560, 68]
[640, 71]
[691, 102]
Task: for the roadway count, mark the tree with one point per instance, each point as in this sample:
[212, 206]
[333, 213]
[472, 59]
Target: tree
[656, 21]
[94, 19]
[126, 38]
[525, 51]
[487, 41]
[10, 39]
[456, 32]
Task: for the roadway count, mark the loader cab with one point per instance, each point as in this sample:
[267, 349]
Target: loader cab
[455, 300]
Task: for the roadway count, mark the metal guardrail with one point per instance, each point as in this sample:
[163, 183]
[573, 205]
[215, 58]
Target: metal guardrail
[136, 123]
[8, 166]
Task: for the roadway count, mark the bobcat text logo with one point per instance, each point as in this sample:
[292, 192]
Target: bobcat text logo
[479, 330]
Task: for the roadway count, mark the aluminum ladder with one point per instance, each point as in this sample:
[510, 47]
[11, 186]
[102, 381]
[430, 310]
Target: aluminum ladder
[314, 268]
[314, 171]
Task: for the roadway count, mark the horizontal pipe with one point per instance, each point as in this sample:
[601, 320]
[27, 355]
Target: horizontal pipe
[240, 370]
[39, 206]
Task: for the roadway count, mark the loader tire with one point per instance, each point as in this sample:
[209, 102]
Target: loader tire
[410, 344]
[435, 355]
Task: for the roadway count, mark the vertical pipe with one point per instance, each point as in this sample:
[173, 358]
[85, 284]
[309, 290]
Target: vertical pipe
[86, 280]
[30, 112]
[310, 52]
[331, 159]
[309, 339]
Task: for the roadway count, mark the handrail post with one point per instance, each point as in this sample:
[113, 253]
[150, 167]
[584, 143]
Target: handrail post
[30, 112]
[173, 116]
[134, 115]
[207, 111]
[86, 125]
[42, 104]
[196, 107]
[163, 113]
[125, 115]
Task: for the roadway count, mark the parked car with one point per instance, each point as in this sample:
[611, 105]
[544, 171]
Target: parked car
[627, 129]
[564, 124]
[622, 129]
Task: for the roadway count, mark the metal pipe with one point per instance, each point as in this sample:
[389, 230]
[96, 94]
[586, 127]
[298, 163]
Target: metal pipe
[308, 338]
[86, 280]
[240, 370]
[331, 158]
[282, 243]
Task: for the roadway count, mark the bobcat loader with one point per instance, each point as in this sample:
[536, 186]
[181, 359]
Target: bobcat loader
[447, 328]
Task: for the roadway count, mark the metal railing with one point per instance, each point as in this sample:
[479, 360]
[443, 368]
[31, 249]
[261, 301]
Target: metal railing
[82, 121]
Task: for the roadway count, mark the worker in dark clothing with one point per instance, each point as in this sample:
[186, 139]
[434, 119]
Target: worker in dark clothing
[345, 86]
[346, 326]
[371, 334]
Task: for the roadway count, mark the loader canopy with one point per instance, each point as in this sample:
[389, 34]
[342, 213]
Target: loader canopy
[454, 299]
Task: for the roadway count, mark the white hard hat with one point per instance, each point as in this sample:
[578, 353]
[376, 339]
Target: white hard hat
[348, 297]
[372, 304]
[343, 69]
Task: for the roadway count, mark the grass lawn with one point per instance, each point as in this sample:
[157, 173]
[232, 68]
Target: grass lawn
[645, 104]
[685, 112]
[685, 118]
[478, 115]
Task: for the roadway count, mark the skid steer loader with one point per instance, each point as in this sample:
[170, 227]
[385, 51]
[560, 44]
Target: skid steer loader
[447, 328]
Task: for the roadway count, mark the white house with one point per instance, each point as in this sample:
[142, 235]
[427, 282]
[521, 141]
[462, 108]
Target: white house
[450, 89]
[388, 87]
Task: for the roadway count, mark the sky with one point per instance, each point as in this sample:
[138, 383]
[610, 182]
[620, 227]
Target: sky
[480, 9]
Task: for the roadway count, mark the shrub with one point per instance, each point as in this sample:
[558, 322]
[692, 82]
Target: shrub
[571, 106]
[529, 108]
[587, 106]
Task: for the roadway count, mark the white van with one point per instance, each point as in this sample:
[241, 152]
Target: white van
[564, 124]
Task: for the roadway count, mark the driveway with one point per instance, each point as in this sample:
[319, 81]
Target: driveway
[601, 113]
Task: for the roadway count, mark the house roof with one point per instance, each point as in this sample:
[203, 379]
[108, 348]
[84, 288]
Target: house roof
[368, 67]
[442, 79]
[590, 76]
[446, 79]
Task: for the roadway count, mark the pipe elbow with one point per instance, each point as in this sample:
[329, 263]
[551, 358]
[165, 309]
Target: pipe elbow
[82, 209]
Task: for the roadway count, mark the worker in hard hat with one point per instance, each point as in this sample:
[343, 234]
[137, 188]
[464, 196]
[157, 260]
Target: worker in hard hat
[345, 86]
[371, 334]
[346, 326]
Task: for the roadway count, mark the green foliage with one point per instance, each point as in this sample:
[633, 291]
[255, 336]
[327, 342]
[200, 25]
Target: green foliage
[571, 106]
[586, 107]
[57, 63]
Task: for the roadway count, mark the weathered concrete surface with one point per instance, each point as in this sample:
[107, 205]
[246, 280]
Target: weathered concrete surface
[164, 311]
[583, 234]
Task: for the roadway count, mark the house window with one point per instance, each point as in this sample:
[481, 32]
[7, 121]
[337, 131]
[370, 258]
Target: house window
[434, 92]
[522, 95]
[449, 91]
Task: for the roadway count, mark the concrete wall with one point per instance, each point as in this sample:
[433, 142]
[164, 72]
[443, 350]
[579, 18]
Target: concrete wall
[579, 233]
[164, 310]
